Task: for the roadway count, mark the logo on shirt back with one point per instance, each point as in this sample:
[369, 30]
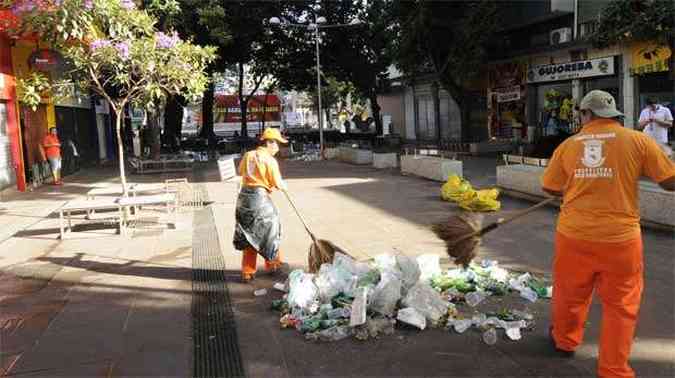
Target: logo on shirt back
[593, 153]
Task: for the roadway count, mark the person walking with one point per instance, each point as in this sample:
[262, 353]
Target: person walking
[598, 243]
[52, 147]
[258, 228]
[655, 120]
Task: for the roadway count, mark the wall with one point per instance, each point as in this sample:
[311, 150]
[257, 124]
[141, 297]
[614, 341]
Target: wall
[8, 96]
[392, 104]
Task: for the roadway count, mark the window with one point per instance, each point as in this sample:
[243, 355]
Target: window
[426, 118]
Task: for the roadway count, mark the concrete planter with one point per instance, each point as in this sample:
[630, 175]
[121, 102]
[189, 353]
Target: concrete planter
[385, 160]
[433, 168]
[657, 206]
[331, 153]
[355, 156]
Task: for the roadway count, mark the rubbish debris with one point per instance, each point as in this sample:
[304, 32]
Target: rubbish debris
[490, 336]
[459, 190]
[365, 300]
[358, 312]
[427, 302]
[260, 292]
[413, 317]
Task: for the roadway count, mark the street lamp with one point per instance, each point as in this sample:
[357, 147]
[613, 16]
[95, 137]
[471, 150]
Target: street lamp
[319, 23]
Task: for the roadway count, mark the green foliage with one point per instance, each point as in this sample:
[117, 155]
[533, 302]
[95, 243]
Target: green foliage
[113, 49]
[30, 89]
[635, 20]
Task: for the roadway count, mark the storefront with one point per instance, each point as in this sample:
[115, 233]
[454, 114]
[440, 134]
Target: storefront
[556, 88]
[650, 70]
[77, 128]
[507, 100]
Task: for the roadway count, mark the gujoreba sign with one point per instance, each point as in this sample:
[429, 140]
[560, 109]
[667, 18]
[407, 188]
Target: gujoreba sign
[571, 70]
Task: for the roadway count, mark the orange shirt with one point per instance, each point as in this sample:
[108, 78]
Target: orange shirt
[260, 168]
[598, 171]
[54, 151]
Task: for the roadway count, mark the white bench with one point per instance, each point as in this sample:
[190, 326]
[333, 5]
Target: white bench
[87, 206]
[166, 199]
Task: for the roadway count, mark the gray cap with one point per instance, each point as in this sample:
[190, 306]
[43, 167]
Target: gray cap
[601, 103]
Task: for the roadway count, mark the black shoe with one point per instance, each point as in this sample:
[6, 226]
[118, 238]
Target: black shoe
[560, 352]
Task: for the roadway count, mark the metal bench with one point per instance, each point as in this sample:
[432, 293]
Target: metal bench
[167, 199]
[87, 206]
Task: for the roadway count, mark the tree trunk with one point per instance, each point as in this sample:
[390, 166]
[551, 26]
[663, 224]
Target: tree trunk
[243, 103]
[326, 111]
[155, 143]
[173, 122]
[120, 149]
[375, 109]
[207, 113]
[465, 115]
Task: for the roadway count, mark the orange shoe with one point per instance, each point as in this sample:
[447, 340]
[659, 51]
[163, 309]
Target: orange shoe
[246, 278]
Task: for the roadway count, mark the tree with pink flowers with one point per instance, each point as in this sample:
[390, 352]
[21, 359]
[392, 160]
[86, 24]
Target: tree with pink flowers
[112, 47]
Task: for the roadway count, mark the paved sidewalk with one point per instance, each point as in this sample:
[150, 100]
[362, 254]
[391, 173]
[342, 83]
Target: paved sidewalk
[97, 303]
[369, 212]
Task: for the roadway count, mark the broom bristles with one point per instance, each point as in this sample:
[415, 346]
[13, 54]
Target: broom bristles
[320, 253]
[452, 230]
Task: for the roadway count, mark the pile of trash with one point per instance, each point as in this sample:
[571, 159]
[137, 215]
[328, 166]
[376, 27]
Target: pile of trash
[307, 156]
[459, 190]
[349, 298]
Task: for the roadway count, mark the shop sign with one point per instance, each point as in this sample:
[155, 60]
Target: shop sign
[508, 94]
[648, 58]
[571, 70]
[45, 60]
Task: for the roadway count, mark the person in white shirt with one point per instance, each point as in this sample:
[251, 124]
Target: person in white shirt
[655, 119]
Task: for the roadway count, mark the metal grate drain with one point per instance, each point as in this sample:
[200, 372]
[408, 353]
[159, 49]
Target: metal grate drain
[216, 350]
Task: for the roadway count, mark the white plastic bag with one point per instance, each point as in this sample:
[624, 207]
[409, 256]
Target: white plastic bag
[429, 266]
[347, 263]
[412, 317]
[359, 305]
[303, 293]
[423, 298]
[387, 293]
[410, 271]
[332, 280]
[385, 261]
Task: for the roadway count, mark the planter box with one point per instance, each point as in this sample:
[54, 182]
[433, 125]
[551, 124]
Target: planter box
[433, 168]
[657, 206]
[385, 160]
[355, 156]
[331, 153]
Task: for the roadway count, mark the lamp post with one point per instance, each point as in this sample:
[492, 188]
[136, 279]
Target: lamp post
[319, 23]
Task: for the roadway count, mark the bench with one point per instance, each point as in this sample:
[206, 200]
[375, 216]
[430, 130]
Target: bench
[87, 206]
[166, 199]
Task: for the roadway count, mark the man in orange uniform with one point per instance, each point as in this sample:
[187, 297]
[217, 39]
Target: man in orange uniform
[258, 229]
[52, 146]
[598, 243]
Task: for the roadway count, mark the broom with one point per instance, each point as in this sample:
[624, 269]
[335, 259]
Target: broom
[320, 251]
[462, 233]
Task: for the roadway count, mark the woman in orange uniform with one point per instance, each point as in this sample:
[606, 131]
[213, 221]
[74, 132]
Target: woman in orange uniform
[258, 229]
[598, 245]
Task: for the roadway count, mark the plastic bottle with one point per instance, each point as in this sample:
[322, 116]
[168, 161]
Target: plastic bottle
[490, 336]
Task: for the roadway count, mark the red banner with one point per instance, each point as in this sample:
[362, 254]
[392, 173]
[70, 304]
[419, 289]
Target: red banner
[227, 109]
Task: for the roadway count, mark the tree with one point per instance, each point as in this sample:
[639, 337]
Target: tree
[114, 50]
[447, 40]
[241, 29]
[365, 51]
[624, 21]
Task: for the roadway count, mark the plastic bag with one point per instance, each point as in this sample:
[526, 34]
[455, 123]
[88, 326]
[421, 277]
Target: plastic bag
[410, 271]
[387, 293]
[332, 280]
[429, 266]
[427, 301]
[359, 307]
[359, 269]
[303, 293]
[412, 316]
[481, 200]
[455, 188]
[385, 262]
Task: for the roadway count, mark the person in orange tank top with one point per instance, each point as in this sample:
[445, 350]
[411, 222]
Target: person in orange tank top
[52, 147]
[598, 244]
[258, 228]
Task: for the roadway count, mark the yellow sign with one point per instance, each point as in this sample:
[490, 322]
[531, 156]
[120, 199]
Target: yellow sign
[649, 57]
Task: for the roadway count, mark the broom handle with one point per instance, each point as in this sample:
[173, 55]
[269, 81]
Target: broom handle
[288, 196]
[511, 218]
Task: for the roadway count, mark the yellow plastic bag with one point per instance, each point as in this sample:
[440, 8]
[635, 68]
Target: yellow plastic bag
[455, 188]
[481, 200]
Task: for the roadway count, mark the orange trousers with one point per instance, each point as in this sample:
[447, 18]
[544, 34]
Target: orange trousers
[249, 262]
[614, 271]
